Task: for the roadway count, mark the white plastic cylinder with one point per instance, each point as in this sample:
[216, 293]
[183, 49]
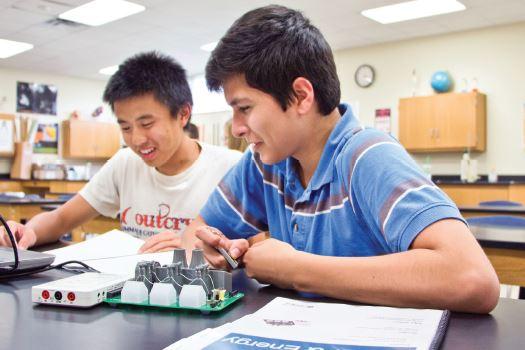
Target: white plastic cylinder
[134, 292]
[163, 294]
[192, 296]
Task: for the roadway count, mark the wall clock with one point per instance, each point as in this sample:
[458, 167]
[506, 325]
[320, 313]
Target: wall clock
[364, 75]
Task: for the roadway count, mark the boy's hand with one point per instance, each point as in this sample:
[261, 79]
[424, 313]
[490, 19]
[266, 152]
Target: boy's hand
[271, 261]
[210, 239]
[161, 242]
[24, 236]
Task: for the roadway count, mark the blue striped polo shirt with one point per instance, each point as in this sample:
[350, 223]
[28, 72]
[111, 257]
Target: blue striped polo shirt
[367, 197]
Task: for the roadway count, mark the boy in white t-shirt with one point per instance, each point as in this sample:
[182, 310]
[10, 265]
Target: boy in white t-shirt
[159, 183]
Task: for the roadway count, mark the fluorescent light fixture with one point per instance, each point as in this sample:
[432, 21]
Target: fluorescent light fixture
[109, 70]
[99, 12]
[405, 11]
[209, 46]
[10, 48]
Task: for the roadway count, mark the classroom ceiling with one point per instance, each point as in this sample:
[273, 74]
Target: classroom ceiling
[179, 28]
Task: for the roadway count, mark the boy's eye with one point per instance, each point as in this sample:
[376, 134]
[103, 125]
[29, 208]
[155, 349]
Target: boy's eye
[244, 109]
[147, 125]
[125, 128]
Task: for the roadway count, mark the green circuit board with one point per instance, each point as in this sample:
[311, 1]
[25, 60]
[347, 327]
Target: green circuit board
[207, 308]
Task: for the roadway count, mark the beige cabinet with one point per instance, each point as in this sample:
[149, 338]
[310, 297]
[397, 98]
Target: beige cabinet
[443, 122]
[468, 195]
[89, 140]
[46, 187]
[10, 186]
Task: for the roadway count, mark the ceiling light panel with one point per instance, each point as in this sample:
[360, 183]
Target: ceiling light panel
[98, 12]
[10, 48]
[109, 70]
[412, 10]
[209, 47]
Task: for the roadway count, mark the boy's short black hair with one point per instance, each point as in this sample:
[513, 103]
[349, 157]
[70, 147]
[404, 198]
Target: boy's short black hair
[192, 130]
[272, 46]
[150, 72]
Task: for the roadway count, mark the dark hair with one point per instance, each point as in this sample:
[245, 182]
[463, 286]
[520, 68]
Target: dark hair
[192, 130]
[150, 72]
[272, 46]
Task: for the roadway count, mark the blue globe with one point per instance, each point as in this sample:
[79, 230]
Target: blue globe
[441, 81]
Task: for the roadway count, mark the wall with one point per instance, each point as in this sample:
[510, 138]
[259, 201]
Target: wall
[494, 56]
[82, 95]
[210, 111]
[204, 101]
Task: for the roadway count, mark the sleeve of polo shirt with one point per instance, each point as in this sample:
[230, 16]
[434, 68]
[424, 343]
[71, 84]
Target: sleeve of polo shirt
[236, 206]
[389, 192]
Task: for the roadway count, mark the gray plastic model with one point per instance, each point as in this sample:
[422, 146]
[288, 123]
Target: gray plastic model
[178, 273]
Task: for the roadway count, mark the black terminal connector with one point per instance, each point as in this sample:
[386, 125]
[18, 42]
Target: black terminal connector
[114, 293]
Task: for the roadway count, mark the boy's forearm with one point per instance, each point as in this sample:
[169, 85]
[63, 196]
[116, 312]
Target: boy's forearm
[50, 226]
[46, 227]
[419, 278]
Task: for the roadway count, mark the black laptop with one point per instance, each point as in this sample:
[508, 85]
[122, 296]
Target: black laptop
[27, 259]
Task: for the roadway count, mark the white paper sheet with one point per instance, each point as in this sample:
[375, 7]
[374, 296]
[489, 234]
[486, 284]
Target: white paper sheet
[291, 324]
[113, 252]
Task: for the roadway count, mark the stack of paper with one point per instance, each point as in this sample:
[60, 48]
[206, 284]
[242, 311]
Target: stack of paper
[291, 324]
[113, 252]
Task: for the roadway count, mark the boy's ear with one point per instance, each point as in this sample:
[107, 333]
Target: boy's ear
[304, 94]
[185, 114]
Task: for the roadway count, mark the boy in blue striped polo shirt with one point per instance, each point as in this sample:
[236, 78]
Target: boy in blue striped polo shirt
[347, 211]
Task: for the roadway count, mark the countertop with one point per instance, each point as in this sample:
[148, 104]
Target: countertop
[503, 180]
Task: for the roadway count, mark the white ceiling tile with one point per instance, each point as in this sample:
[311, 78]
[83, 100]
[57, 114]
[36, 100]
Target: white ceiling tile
[7, 3]
[70, 3]
[24, 18]
[149, 4]
[471, 4]
[507, 11]
[70, 42]
[128, 25]
[8, 28]
[25, 59]
[47, 8]
[45, 32]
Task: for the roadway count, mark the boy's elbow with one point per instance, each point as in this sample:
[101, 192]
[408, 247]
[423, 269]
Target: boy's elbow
[479, 291]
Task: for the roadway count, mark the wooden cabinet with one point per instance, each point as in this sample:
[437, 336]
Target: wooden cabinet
[465, 195]
[44, 187]
[443, 122]
[10, 186]
[89, 140]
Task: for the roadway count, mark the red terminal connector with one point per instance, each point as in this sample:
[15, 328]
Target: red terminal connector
[45, 294]
[71, 296]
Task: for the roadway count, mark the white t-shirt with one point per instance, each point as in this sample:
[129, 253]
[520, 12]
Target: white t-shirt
[149, 202]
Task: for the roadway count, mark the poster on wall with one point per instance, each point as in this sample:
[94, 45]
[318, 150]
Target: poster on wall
[36, 98]
[382, 120]
[46, 138]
